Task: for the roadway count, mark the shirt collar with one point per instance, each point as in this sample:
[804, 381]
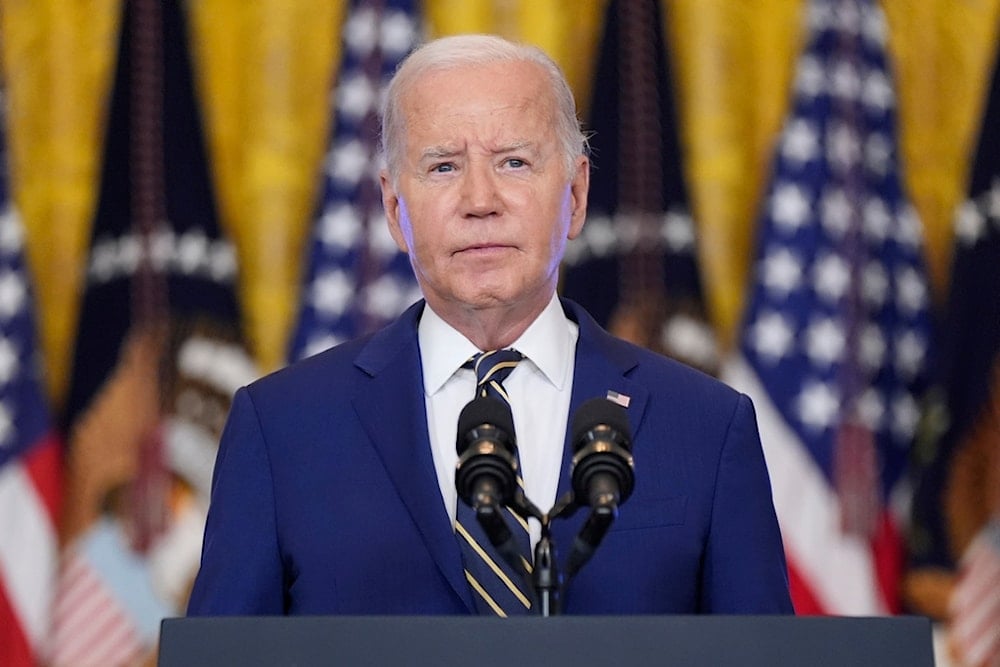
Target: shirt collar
[548, 343]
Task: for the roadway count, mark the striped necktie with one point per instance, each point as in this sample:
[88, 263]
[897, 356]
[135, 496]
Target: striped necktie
[497, 588]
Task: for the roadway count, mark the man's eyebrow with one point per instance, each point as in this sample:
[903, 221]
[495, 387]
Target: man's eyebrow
[515, 146]
[438, 152]
[445, 152]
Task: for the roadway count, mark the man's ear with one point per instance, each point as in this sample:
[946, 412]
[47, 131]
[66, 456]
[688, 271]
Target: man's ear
[392, 205]
[579, 187]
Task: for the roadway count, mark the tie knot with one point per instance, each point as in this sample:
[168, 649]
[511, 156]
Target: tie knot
[492, 368]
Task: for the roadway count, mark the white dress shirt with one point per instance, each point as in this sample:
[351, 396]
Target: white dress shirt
[539, 388]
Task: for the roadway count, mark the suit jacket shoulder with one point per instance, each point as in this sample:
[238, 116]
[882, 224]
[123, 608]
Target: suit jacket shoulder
[699, 533]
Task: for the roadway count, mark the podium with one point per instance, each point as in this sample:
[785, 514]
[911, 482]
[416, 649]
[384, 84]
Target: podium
[636, 641]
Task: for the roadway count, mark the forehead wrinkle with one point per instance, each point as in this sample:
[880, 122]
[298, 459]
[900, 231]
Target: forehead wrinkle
[424, 116]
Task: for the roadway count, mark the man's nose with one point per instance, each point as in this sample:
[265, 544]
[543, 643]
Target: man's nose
[479, 191]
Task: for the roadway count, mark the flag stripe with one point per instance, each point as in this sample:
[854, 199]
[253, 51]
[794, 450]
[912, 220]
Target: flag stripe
[28, 547]
[888, 556]
[78, 596]
[14, 647]
[975, 604]
[801, 592]
[980, 624]
[90, 625]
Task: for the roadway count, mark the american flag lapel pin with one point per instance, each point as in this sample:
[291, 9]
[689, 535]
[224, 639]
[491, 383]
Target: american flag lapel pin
[620, 399]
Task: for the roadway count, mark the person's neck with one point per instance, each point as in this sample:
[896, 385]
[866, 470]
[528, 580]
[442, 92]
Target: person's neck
[493, 328]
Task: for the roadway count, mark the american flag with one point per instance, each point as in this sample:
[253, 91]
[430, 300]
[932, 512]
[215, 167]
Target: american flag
[29, 457]
[357, 280]
[837, 330]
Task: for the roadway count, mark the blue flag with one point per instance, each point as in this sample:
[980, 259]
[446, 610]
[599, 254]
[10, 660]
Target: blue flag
[956, 509]
[159, 353]
[634, 267]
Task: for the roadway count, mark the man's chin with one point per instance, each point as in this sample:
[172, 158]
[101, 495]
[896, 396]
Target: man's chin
[501, 299]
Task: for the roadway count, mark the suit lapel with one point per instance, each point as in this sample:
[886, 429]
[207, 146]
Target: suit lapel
[390, 406]
[602, 365]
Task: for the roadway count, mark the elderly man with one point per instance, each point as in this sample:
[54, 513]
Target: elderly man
[334, 489]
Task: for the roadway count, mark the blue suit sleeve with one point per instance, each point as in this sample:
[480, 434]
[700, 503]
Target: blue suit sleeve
[745, 568]
[241, 569]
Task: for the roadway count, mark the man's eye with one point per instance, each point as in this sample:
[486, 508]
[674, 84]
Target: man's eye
[515, 162]
[443, 168]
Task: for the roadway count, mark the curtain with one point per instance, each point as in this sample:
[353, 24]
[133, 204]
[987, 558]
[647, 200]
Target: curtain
[264, 74]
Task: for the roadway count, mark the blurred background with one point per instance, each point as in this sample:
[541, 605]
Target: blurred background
[189, 203]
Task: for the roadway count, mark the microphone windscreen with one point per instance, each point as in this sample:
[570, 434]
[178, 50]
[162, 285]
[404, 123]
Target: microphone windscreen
[598, 411]
[485, 410]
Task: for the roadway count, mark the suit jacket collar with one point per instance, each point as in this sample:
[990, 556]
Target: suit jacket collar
[391, 403]
[603, 364]
[391, 408]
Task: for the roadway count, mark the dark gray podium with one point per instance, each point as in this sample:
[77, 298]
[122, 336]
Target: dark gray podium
[635, 641]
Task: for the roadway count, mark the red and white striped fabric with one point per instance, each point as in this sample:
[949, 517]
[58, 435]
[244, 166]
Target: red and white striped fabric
[975, 602]
[90, 626]
[29, 457]
[29, 490]
[830, 571]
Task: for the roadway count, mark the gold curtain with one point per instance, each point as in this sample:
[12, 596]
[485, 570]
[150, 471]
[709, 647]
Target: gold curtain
[265, 70]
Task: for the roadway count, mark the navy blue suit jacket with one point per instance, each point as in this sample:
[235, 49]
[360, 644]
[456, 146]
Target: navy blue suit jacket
[325, 499]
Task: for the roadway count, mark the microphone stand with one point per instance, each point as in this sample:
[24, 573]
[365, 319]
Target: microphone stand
[546, 579]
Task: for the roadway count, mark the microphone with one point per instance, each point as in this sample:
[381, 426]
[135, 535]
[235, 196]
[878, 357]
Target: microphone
[603, 470]
[486, 472]
[603, 473]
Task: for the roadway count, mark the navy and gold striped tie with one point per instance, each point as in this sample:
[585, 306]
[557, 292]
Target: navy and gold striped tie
[496, 587]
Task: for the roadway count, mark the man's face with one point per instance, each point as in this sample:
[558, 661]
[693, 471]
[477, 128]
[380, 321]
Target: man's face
[483, 203]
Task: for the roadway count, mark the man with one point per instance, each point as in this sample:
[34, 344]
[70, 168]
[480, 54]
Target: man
[334, 486]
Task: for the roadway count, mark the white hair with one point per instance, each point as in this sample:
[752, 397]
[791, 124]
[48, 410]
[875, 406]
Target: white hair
[460, 50]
